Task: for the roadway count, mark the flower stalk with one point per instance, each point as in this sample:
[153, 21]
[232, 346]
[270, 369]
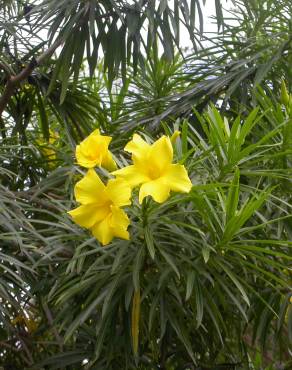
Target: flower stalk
[136, 305]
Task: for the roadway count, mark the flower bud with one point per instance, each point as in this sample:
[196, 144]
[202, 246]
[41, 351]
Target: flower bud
[284, 94]
[174, 136]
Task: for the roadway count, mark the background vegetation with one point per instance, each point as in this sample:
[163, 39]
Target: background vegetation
[208, 272]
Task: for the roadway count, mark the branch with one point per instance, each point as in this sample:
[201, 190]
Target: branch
[8, 346]
[14, 81]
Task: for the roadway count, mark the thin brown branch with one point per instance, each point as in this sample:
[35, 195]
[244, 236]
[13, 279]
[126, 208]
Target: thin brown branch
[8, 346]
[14, 81]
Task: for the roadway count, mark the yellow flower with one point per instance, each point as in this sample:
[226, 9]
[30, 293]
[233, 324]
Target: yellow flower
[46, 147]
[48, 152]
[30, 323]
[100, 207]
[93, 151]
[153, 169]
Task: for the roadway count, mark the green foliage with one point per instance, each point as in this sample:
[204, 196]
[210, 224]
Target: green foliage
[214, 261]
[113, 27]
[205, 280]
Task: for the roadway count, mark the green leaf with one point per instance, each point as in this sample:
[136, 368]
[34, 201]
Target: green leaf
[233, 197]
[43, 117]
[149, 241]
[137, 266]
[234, 280]
[170, 260]
[199, 300]
[190, 284]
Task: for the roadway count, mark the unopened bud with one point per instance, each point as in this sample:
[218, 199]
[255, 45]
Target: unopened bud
[284, 94]
[174, 136]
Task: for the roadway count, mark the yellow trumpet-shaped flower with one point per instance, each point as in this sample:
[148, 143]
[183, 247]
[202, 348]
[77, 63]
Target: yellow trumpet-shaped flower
[153, 169]
[93, 151]
[100, 207]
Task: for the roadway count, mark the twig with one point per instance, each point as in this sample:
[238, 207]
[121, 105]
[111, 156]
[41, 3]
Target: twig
[14, 81]
[8, 346]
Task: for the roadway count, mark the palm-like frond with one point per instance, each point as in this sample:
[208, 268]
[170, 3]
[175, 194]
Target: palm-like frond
[205, 279]
[203, 261]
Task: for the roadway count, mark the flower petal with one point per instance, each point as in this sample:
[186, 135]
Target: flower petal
[93, 150]
[132, 174]
[96, 132]
[88, 215]
[100, 141]
[160, 156]
[138, 147]
[91, 189]
[177, 178]
[119, 223]
[108, 162]
[156, 188]
[114, 225]
[103, 231]
[119, 192]
[83, 159]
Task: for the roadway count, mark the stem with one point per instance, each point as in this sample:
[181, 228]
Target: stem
[14, 81]
[144, 212]
[136, 306]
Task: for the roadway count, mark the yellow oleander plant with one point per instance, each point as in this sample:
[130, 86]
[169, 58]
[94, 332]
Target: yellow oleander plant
[93, 151]
[153, 169]
[100, 207]
[100, 210]
[188, 279]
